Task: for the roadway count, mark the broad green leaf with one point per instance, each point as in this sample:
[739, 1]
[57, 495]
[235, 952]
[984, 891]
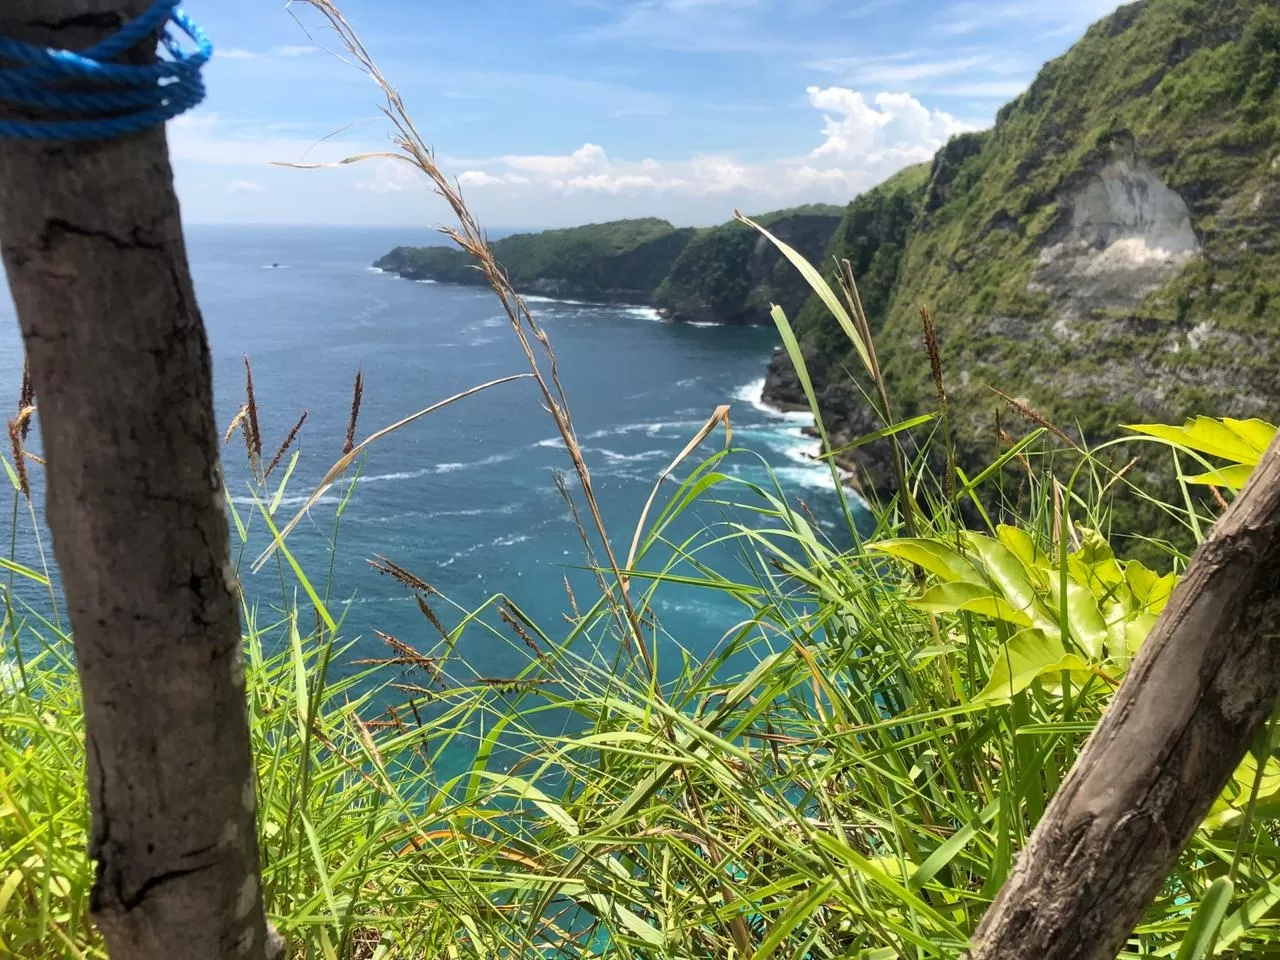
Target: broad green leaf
[1203, 930]
[936, 557]
[1029, 654]
[1239, 441]
[1150, 592]
[1006, 571]
[1247, 771]
[1023, 546]
[1232, 478]
[1137, 630]
[970, 598]
[1085, 623]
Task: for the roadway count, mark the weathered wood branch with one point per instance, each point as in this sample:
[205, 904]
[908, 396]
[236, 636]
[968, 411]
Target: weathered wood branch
[92, 242]
[1196, 695]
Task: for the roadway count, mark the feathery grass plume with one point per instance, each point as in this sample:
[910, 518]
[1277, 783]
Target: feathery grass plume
[26, 398]
[284, 447]
[1020, 407]
[253, 435]
[396, 572]
[433, 619]
[520, 631]
[19, 461]
[356, 395]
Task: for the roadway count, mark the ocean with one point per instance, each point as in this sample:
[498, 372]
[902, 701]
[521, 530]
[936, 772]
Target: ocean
[465, 498]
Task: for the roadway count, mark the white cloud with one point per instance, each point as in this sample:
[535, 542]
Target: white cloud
[618, 183]
[862, 142]
[286, 51]
[720, 174]
[392, 176]
[244, 186]
[478, 178]
[587, 156]
[892, 131]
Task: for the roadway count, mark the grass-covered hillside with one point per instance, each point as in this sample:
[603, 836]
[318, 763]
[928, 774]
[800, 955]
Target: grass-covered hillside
[1107, 253]
[621, 261]
[725, 274]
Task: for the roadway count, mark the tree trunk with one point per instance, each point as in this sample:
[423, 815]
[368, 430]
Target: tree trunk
[92, 243]
[1196, 695]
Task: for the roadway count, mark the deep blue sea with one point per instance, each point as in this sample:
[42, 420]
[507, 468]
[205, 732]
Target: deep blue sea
[465, 498]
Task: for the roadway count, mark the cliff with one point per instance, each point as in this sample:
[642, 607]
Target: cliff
[617, 262]
[725, 274]
[1107, 252]
[731, 274]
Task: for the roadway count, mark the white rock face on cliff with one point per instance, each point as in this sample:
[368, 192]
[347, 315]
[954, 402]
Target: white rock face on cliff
[1128, 234]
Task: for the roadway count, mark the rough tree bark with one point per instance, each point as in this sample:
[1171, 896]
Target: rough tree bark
[1196, 695]
[92, 243]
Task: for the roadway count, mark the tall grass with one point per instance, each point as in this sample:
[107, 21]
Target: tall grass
[849, 772]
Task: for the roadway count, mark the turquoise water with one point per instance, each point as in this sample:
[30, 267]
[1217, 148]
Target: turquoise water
[465, 498]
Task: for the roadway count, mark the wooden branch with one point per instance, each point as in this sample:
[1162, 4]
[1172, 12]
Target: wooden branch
[1198, 692]
[92, 243]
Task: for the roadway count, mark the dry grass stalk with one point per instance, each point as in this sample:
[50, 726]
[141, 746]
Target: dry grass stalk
[19, 461]
[26, 399]
[396, 572]
[520, 631]
[935, 358]
[253, 433]
[236, 422]
[345, 461]
[357, 395]
[284, 447]
[469, 236]
[1026, 411]
[432, 618]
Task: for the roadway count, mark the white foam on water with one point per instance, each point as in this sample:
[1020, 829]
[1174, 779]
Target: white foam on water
[376, 270]
[287, 501]
[424, 281]
[703, 323]
[535, 298]
[645, 313]
[556, 443]
[630, 457]
[485, 462]
[510, 540]
[385, 477]
[753, 393]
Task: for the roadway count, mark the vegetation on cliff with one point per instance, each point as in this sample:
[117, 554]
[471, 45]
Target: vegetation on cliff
[730, 274]
[1105, 254]
[721, 274]
[617, 262]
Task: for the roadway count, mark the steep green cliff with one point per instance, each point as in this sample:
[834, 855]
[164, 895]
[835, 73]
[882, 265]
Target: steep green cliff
[1107, 253]
[731, 274]
[725, 274]
[617, 262]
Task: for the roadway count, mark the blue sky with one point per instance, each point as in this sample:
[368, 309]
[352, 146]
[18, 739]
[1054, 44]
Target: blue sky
[556, 112]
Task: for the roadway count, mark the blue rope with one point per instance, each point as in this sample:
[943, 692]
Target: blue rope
[131, 98]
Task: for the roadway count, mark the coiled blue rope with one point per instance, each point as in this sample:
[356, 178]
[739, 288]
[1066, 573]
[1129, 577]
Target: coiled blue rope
[131, 98]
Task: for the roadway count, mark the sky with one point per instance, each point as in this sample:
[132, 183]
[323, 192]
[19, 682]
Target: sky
[559, 112]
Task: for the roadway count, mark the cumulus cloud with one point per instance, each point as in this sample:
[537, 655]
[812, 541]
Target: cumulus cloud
[894, 129]
[585, 157]
[478, 178]
[861, 140]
